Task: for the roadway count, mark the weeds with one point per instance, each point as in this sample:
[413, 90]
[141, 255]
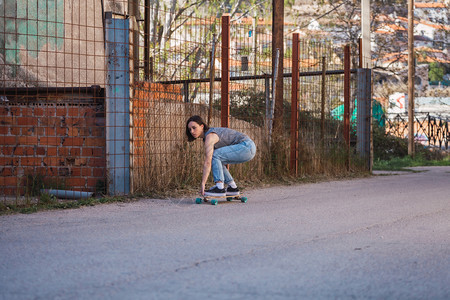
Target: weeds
[391, 153]
[401, 164]
[48, 202]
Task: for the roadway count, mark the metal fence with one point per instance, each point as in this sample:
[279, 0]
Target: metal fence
[193, 76]
[430, 130]
[52, 108]
[95, 96]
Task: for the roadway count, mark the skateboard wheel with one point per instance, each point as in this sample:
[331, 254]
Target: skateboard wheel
[244, 199]
[214, 202]
[229, 198]
[198, 200]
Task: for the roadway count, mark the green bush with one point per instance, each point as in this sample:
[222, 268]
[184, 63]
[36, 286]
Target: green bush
[392, 152]
[386, 146]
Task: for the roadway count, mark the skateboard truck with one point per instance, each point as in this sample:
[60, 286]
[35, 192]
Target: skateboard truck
[214, 199]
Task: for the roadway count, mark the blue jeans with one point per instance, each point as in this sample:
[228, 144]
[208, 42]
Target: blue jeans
[234, 154]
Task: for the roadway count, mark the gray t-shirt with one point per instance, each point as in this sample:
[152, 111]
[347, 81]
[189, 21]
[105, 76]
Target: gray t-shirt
[227, 136]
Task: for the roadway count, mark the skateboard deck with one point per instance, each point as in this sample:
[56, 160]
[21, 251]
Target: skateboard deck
[214, 200]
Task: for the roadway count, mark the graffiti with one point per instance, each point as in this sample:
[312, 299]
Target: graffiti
[31, 25]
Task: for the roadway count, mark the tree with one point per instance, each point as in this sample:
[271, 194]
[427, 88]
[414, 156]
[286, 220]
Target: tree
[436, 72]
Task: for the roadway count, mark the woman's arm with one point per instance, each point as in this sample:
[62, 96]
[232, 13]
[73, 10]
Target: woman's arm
[211, 139]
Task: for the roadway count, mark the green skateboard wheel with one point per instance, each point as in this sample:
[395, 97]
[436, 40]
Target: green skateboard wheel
[214, 202]
[198, 200]
[244, 199]
[229, 198]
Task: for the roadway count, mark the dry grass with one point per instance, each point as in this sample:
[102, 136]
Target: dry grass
[165, 161]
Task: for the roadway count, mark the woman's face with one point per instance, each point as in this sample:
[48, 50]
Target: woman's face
[195, 129]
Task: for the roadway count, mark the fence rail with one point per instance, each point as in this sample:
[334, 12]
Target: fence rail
[69, 78]
[429, 130]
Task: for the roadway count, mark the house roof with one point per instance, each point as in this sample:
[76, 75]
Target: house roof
[403, 57]
[436, 26]
[430, 5]
[389, 28]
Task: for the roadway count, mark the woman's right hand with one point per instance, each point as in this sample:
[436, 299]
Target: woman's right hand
[202, 190]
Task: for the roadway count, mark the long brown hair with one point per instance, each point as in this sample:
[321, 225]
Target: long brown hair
[199, 121]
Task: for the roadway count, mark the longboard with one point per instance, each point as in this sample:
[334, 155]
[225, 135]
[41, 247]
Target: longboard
[214, 199]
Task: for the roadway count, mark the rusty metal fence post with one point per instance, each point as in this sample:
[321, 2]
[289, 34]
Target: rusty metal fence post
[225, 81]
[294, 105]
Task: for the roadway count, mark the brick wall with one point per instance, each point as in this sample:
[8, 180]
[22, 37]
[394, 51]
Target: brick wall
[58, 136]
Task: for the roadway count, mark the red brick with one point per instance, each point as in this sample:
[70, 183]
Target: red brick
[7, 171]
[47, 171]
[50, 141]
[50, 121]
[95, 142]
[73, 141]
[61, 111]
[82, 161]
[50, 111]
[97, 162]
[80, 171]
[98, 131]
[64, 151]
[8, 140]
[50, 131]
[40, 151]
[28, 140]
[16, 131]
[53, 161]
[7, 120]
[87, 172]
[27, 121]
[28, 131]
[10, 191]
[75, 121]
[31, 161]
[39, 131]
[64, 172]
[9, 161]
[4, 130]
[3, 111]
[8, 181]
[76, 182]
[74, 131]
[96, 122]
[24, 151]
[87, 152]
[38, 111]
[7, 150]
[98, 172]
[27, 111]
[15, 111]
[84, 131]
[75, 151]
[99, 152]
[74, 112]
[75, 171]
[92, 182]
[87, 112]
[61, 131]
[52, 151]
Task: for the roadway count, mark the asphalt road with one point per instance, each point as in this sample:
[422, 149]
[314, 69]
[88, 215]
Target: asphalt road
[383, 237]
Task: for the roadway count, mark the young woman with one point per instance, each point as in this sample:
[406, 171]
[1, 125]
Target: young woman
[222, 146]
